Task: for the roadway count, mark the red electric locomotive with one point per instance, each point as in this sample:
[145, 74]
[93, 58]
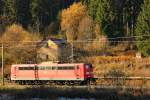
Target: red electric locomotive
[75, 72]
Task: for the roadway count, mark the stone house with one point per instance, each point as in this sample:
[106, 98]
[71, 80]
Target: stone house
[54, 50]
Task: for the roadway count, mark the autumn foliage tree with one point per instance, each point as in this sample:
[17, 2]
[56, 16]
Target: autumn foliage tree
[70, 19]
[79, 26]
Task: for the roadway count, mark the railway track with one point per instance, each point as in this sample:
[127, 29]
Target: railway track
[79, 87]
[102, 82]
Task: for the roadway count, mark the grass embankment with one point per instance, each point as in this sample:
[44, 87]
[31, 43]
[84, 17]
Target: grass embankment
[27, 92]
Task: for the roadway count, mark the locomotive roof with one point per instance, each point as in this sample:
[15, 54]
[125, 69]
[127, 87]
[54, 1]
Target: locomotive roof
[62, 64]
[24, 65]
[52, 64]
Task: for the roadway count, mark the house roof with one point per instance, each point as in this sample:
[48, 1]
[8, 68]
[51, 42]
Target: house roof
[57, 41]
[54, 40]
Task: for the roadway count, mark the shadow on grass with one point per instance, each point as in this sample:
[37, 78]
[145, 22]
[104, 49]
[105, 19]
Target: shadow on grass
[54, 92]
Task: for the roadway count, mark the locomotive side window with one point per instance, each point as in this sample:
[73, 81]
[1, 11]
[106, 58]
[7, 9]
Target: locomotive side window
[41, 68]
[71, 68]
[20, 68]
[60, 68]
[66, 68]
[26, 68]
[54, 68]
[47, 68]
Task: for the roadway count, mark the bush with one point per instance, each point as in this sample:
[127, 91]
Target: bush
[18, 44]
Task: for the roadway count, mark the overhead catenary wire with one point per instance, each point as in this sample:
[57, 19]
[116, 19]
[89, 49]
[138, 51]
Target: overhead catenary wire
[36, 46]
[111, 39]
[40, 43]
[11, 42]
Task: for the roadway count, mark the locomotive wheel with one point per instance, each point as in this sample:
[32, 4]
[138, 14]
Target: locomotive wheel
[23, 82]
[76, 83]
[20, 82]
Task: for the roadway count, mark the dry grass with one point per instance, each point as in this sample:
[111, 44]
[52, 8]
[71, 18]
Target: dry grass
[130, 65]
[120, 66]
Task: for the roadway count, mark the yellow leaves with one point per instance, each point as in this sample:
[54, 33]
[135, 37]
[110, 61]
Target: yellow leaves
[12, 32]
[71, 17]
[16, 33]
[77, 25]
[73, 14]
[20, 44]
